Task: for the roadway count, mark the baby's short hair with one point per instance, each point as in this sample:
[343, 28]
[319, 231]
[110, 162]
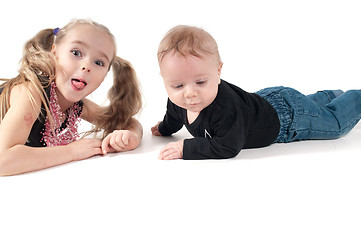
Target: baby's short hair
[186, 40]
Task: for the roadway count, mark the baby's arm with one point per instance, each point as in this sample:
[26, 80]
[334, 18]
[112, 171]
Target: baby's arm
[15, 157]
[171, 151]
[172, 123]
[119, 140]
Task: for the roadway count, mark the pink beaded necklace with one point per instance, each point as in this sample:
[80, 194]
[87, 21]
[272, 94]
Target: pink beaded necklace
[57, 136]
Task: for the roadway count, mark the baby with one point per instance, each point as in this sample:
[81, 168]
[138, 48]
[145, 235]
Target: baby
[223, 118]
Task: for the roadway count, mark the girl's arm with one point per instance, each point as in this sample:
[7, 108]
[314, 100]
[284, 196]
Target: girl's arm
[123, 140]
[15, 157]
[119, 140]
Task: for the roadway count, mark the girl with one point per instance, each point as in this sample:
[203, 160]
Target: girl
[42, 105]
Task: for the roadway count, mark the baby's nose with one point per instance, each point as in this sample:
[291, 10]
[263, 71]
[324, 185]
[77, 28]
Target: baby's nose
[190, 92]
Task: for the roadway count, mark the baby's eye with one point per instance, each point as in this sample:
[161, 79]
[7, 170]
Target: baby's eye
[200, 82]
[99, 63]
[178, 86]
[76, 52]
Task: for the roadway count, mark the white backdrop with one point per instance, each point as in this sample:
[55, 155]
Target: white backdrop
[308, 190]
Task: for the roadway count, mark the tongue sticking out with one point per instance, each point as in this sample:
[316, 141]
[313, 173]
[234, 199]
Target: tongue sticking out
[78, 84]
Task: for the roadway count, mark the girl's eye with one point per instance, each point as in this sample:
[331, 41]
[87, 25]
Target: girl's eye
[76, 52]
[99, 63]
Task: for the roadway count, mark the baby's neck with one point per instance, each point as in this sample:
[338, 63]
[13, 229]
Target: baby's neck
[192, 116]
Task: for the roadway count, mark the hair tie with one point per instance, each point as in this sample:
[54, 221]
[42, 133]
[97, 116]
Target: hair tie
[55, 31]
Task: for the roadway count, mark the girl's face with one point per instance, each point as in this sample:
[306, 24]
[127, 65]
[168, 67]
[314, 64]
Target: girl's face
[191, 82]
[83, 59]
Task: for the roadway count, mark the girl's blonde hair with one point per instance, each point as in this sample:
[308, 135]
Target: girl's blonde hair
[38, 69]
[125, 99]
[188, 40]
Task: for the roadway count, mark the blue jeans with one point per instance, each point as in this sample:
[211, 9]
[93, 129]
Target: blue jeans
[323, 115]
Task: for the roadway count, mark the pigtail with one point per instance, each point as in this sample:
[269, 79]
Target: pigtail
[124, 96]
[37, 68]
[38, 58]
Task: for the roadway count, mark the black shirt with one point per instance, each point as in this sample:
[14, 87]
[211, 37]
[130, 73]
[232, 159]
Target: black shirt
[235, 120]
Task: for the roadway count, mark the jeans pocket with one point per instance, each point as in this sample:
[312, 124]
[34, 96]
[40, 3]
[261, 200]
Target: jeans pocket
[306, 106]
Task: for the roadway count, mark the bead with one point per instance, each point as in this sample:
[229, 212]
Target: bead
[56, 135]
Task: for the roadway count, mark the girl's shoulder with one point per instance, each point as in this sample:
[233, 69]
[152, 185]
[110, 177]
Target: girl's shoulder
[25, 94]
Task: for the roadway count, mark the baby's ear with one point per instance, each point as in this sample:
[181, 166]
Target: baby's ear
[220, 68]
[219, 72]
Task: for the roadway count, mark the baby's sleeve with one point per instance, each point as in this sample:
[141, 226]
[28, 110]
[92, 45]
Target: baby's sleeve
[229, 134]
[172, 121]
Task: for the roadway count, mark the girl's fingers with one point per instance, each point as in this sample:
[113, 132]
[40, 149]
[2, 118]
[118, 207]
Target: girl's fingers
[119, 141]
[125, 139]
[105, 144]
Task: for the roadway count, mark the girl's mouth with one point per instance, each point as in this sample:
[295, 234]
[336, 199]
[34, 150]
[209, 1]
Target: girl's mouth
[78, 83]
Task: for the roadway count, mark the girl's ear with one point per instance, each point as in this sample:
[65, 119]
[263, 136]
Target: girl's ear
[53, 49]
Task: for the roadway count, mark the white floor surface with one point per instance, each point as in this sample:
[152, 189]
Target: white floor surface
[303, 190]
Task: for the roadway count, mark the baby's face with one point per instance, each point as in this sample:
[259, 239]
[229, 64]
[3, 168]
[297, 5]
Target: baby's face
[191, 82]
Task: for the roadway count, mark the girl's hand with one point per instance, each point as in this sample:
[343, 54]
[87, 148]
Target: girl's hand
[155, 130]
[120, 141]
[85, 148]
[171, 151]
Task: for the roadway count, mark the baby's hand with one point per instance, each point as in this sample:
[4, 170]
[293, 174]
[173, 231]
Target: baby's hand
[120, 141]
[171, 151]
[155, 130]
